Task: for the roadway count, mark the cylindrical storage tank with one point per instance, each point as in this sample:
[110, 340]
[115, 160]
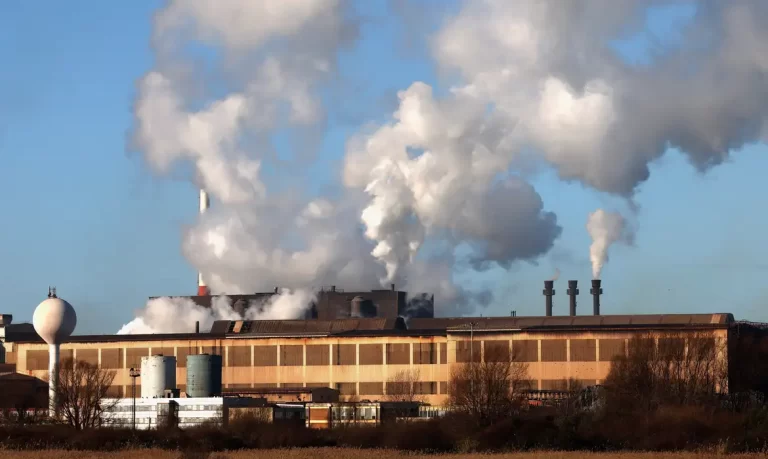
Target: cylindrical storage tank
[158, 374]
[203, 375]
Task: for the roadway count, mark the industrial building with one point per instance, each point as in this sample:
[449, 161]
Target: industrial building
[362, 357]
[332, 303]
[159, 403]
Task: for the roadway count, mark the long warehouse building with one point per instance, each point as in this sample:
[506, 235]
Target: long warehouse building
[360, 356]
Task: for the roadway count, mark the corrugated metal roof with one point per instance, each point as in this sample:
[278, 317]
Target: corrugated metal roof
[21, 333]
[34, 338]
[307, 327]
[557, 322]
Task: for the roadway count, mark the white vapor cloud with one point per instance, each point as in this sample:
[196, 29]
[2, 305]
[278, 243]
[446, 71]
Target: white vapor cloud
[606, 228]
[435, 189]
[180, 315]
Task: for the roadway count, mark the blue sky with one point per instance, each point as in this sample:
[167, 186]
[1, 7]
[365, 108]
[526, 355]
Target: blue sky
[82, 214]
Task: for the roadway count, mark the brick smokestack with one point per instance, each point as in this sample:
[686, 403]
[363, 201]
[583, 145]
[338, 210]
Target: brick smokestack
[549, 292]
[205, 203]
[596, 291]
[572, 292]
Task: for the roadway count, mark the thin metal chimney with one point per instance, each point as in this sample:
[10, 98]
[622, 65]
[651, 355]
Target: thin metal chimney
[393, 287]
[572, 292]
[549, 292]
[197, 326]
[205, 203]
[596, 291]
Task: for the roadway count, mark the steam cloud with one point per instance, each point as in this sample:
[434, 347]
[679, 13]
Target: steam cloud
[175, 315]
[605, 228]
[440, 177]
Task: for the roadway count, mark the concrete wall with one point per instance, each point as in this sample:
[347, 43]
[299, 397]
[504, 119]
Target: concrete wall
[358, 367]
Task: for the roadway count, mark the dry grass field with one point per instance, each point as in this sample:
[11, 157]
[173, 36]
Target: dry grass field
[346, 453]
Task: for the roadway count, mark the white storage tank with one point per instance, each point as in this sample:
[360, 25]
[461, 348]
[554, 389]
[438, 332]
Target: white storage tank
[158, 374]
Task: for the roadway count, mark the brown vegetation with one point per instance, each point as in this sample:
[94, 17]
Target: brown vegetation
[349, 453]
[81, 392]
[670, 370]
[489, 390]
[404, 387]
[662, 396]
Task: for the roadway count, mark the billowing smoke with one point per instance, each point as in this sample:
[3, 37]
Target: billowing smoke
[179, 315]
[548, 71]
[440, 169]
[436, 189]
[605, 228]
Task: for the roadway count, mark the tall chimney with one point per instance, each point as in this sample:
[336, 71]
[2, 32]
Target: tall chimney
[197, 326]
[392, 286]
[205, 203]
[549, 292]
[596, 291]
[572, 292]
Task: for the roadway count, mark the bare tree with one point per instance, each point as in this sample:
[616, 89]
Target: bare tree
[404, 386]
[491, 389]
[679, 369]
[82, 393]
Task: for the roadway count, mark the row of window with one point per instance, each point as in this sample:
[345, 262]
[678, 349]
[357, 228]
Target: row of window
[554, 350]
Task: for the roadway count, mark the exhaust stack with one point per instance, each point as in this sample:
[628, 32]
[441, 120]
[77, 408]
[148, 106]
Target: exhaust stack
[572, 292]
[205, 203]
[596, 291]
[549, 292]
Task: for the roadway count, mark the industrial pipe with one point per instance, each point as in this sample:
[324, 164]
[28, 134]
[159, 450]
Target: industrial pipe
[596, 291]
[572, 292]
[549, 292]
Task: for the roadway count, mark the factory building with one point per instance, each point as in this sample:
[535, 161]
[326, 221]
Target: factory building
[333, 303]
[362, 357]
[359, 357]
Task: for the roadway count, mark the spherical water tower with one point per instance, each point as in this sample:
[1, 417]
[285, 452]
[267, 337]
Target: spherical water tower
[54, 320]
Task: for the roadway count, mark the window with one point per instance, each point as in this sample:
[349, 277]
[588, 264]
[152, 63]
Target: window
[398, 354]
[346, 388]
[37, 360]
[291, 355]
[371, 388]
[318, 354]
[554, 350]
[344, 354]
[611, 348]
[371, 354]
[464, 352]
[583, 350]
[424, 353]
[239, 356]
[496, 351]
[264, 356]
[133, 356]
[525, 350]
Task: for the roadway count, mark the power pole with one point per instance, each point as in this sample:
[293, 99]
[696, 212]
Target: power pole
[134, 373]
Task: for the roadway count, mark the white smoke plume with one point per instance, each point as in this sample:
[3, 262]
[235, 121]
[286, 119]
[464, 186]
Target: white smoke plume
[440, 169]
[547, 69]
[436, 189]
[179, 315]
[605, 228]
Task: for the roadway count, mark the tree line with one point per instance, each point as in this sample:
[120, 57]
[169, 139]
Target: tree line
[671, 389]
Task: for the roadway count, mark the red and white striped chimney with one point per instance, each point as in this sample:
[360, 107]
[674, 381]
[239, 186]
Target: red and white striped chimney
[205, 203]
